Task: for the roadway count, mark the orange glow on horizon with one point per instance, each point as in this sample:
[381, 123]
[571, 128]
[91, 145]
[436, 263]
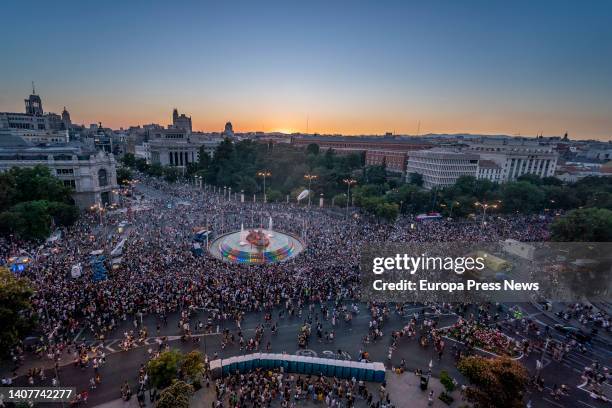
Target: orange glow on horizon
[213, 119]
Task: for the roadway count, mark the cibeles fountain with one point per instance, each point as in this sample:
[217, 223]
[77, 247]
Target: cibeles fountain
[256, 246]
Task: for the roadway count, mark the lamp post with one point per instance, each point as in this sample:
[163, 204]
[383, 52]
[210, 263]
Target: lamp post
[264, 174]
[484, 207]
[452, 206]
[310, 177]
[349, 182]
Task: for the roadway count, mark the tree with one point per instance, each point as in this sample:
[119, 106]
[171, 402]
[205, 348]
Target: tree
[34, 219]
[155, 169]
[312, 148]
[274, 195]
[123, 175]
[176, 395]
[583, 225]
[600, 199]
[416, 179]
[37, 183]
[129, 160]
[141, 165]
[8, 191]
[522, 196]
[203, 158]
[63, 214]
[192, 366]
[530, 178]
[171, 174]
[340, 200]
[164, 368]
[16, 317]
[495, 382]
[375, 175]
[30, 199]
[387, 211]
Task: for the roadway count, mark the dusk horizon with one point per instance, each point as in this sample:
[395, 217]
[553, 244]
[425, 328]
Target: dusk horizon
[341, 68]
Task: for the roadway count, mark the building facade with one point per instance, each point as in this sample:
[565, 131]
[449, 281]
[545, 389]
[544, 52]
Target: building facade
[489, 170]
[360, 143]
[34, 117]
[38, 136]
[516, 158]
[92, 174]
[394, 161]
[174, 147]
[441, 168]
[181, 121]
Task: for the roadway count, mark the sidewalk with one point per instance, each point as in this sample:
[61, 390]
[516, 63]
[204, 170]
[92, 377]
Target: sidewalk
[404, 390]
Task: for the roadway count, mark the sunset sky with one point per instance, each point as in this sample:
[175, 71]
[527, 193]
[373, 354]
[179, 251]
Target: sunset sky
[352, 67]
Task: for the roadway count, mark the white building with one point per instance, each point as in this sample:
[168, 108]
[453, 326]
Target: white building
[441, 168]
[489, 170]
[177, 148]
[92, 174]
[517, 157]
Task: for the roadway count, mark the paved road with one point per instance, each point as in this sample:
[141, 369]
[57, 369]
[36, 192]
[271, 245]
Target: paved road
[124, 365]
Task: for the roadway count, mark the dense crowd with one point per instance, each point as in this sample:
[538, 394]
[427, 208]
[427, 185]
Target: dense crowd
[159, 275]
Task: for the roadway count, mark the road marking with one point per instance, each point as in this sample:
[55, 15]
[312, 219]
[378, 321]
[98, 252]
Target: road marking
[78, 334]
[588, 405]
[521, 355]
[108, 346]
[553, 402]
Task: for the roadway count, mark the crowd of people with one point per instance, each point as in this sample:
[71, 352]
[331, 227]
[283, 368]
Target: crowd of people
[261, 388]
[159, 276]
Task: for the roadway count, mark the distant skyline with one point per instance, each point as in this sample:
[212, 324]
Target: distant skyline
[349, 67]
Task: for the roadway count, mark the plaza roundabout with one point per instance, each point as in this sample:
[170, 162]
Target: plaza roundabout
[256, 246]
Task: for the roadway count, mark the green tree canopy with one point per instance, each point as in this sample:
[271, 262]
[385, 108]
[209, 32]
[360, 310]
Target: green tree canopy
[522, 196]
[164, 368]
[176, 395]
[192, 366]
[312, 148]
[124, 175]
[495, 382]
[416, 179]
[584, 225]
[15, 310]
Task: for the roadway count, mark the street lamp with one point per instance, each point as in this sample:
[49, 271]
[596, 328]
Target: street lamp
[349, 182]
[310, 177]
[484, 207]
[264, 174]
